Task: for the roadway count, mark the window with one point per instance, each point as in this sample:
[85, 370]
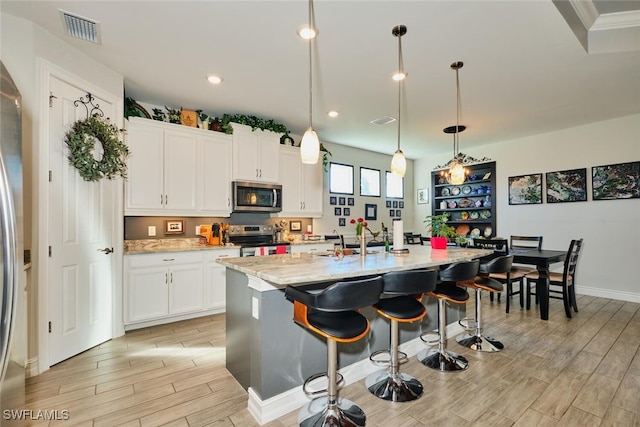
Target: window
[395, 186]
[369, 182]
[340, 178]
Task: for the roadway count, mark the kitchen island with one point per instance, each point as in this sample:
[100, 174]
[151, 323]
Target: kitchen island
[270, 356]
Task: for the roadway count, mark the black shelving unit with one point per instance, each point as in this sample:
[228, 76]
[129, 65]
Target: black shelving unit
[471, 206]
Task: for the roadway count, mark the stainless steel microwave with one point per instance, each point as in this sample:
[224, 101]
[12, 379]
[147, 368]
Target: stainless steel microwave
[256, 197]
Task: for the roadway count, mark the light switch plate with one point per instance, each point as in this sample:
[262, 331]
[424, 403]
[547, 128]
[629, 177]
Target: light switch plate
[151, 230]
[197, 230]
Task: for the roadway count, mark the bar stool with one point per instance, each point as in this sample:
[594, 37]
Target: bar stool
[331, 313]
[442, 359]
[405, 290]
[477, 341]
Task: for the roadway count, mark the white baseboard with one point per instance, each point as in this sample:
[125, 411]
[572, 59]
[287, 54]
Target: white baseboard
[608, 293]
[31, 368]
[171, 319]
[268, 410]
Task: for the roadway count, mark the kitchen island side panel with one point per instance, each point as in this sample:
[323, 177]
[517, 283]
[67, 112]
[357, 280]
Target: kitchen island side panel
[238, 327]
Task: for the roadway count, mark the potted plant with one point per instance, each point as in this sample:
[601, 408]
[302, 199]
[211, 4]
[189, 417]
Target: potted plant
[439, 229]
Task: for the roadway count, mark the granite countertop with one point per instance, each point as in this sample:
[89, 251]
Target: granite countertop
[289, 269]
[150, 246]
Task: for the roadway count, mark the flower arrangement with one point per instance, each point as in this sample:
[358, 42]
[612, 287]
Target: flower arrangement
[360, 224]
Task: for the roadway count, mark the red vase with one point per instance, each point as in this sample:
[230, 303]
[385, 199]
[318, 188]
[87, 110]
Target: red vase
[439, 243]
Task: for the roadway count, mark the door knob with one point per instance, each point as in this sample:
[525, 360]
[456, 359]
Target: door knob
[107, 251]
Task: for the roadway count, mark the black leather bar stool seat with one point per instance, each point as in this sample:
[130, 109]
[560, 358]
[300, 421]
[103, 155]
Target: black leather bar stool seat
[401, 302]
[332, 313]
[447, 290]
[477, 341]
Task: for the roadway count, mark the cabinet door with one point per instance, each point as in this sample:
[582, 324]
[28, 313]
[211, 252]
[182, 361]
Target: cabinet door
[147, 294]
[215, 175]
[144, 186]
[180, 171]
[216, 279]
[245, 154]
[185, 288]
[269, 160]
[291, 181]
[312, 189]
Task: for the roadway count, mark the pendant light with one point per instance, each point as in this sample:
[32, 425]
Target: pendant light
[456, 174]
[310, 144]
[399, 162]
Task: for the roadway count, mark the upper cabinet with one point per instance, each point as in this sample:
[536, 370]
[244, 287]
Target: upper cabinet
[256, 154]
[471, 206]
[176, 170]
[301, 185]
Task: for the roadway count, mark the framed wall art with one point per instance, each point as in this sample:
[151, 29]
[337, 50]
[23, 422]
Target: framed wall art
[371, 212]
[351, 201]
[337, 211]
[174, 226]
[346, 211]
[619, 181]
[333, 200]
[566, 186]
[423, 196]
[525, 189]
[369, 182]
[342, 222]
[295, 225]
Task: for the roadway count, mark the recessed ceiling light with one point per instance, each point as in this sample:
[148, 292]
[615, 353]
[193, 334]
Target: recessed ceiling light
[333, 113]
[213, 79]
[308, 33]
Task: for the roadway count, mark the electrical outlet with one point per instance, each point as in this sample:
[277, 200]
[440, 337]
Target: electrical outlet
[151, 230]
[197, 230]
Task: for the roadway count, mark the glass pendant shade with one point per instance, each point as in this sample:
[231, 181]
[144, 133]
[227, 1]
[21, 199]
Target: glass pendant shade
[456, 173]
[310, 147]
[398, 163]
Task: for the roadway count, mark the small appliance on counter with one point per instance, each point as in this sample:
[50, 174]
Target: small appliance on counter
[214, 233]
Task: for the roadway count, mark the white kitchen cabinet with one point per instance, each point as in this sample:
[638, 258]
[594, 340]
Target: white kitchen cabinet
[216, 278]
[320, 247]
[214, 157]
[301, 185]
[162, 169]
[256, 154]
[159, 286]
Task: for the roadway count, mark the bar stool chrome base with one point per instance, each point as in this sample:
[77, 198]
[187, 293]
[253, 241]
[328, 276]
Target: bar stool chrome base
[480, 343]
[394, 388]
[445, 361]
[341, 413]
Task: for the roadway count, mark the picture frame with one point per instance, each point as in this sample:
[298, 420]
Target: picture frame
[295, 226]
[392, 213]
[369, 182]
[616, 181]
[351, 201]
[342, 201]
[566, 186]
[388, 204]
[333, 200]
[342, 222]
[398, 213]
[395, 203]
[174, 226]
[422, 196]
[337, 211]
[346, 211]
[525, 189]
[370, 212]
[401, 204]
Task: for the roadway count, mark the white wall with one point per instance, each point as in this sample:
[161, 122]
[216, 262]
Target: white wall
[373, 160]
[610, 228]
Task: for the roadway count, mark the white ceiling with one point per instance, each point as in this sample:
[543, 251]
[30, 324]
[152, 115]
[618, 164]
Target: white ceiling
[527, 68]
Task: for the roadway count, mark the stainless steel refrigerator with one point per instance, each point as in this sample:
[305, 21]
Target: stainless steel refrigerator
[12, 293]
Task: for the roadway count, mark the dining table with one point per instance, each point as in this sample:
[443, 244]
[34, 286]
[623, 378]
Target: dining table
[542, 260]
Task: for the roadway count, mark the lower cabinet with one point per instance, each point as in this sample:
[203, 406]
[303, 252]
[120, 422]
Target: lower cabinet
[164, 287]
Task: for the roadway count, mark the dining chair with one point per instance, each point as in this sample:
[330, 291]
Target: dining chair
[413, 239]
[565, 280]
[518, 272]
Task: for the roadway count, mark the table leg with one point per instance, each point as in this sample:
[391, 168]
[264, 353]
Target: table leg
[542, 290]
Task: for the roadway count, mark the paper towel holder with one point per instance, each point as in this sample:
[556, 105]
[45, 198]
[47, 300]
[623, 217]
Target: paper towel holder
[399, 251]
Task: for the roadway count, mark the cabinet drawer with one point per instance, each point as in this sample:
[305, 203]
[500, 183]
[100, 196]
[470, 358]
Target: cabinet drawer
[162, 259]
[213, 255]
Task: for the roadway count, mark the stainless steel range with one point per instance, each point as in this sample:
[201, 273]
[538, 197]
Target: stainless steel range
[255, 240]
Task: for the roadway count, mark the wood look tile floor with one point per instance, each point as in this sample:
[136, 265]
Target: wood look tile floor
[579, 372]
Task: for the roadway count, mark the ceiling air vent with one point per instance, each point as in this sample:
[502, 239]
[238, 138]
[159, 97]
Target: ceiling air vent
[80, 28]
[383, 120]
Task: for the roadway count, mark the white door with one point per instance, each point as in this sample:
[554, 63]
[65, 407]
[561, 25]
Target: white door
[80, 225]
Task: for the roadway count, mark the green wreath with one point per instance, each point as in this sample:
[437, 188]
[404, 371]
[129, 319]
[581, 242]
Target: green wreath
[81, 140]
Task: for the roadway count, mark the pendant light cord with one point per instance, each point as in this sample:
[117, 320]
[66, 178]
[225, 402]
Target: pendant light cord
[400, 69]
[456, 146]
[313, 26]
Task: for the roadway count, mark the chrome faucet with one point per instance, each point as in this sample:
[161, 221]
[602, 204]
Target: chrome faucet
[341, 238]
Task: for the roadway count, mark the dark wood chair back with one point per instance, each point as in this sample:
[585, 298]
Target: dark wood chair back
[526, 242]
[571, 262]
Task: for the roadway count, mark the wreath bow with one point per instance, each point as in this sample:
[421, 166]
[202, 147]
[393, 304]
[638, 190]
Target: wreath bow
[81, 140]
